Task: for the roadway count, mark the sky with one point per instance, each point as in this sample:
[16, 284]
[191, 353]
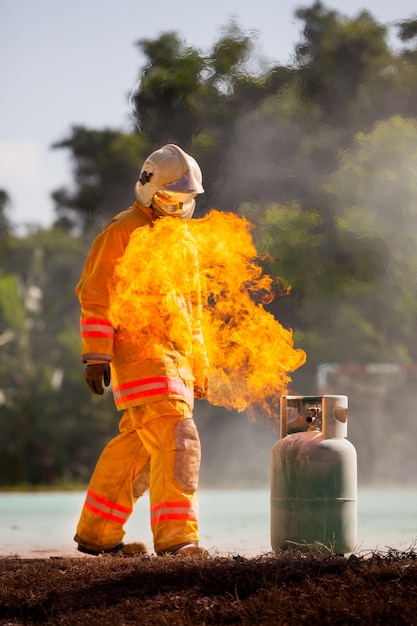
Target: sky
[75, 62]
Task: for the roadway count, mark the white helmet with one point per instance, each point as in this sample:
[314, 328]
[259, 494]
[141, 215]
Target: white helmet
[169, 181]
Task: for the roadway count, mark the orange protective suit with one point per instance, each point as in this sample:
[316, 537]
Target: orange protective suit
[158, 445]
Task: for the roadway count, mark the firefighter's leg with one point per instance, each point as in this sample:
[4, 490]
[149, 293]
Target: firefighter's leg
[173, 443]
[120, 477]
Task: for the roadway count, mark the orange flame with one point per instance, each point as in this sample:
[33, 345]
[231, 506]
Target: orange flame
[249, 351]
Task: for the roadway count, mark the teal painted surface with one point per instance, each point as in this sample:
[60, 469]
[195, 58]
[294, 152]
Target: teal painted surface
[231, 521]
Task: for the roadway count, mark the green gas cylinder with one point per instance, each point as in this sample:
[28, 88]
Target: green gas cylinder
[314, 477]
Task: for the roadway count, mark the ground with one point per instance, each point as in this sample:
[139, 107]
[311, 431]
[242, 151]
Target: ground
[288, 588]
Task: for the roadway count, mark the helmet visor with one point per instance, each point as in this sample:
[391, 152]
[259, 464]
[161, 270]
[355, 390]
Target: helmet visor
[186, 184]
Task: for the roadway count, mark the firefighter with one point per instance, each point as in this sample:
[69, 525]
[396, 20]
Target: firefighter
[158, 446]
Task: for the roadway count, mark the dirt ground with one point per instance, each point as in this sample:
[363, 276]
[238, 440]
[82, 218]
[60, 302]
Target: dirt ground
[288, 588]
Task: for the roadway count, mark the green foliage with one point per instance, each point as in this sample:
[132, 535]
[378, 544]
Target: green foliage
[105, 172]
[376, 192]
[169, 86]
[194, 99]
[11, 305]
[50, 430]
[338, 56]
[324, 268]
[407, 29]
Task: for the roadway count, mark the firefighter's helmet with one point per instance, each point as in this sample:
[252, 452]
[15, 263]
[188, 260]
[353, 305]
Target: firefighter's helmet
[169, 181]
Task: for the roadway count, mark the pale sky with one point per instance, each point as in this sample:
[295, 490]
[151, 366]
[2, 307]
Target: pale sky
[74, 62]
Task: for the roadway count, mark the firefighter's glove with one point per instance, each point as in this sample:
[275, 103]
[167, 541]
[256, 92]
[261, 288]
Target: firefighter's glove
[95, 375]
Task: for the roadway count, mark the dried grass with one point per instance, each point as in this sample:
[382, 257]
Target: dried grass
[289, 588]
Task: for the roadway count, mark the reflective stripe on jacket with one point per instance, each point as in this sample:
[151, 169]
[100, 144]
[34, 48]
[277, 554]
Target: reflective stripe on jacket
[154, 388]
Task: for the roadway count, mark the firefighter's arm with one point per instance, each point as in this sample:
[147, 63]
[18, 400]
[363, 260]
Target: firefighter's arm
[97, 332]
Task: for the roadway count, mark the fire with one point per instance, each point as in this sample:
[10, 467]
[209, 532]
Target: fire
[250, 352]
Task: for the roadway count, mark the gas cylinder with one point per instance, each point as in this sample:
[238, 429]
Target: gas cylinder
[314, 477]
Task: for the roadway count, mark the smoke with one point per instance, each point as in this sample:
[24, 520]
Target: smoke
[370, 193]
[280, 152]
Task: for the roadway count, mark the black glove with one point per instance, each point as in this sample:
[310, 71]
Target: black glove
[95, 374]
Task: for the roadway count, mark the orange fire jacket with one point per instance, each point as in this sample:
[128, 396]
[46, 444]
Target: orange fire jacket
[136, 381]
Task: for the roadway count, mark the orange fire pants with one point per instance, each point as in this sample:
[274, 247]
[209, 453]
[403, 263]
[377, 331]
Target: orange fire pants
[158, 447]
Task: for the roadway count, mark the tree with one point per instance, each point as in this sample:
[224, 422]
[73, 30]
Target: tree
[164, 103]
[50, 429]
[106, 167]
[407, 32]
[195, 99]
[4, 221]
[376, 193]
[183, 97]
[338, 57]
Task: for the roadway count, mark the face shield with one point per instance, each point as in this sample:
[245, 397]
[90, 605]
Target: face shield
[173, 203]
